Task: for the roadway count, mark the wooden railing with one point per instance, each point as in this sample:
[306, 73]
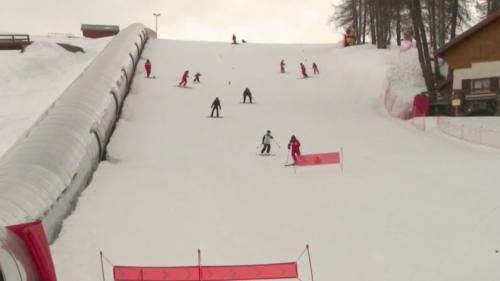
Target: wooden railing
[14, 41]
[15, 37]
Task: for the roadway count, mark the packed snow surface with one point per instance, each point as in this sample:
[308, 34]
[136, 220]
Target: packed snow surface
[408, 206]
[31, 81]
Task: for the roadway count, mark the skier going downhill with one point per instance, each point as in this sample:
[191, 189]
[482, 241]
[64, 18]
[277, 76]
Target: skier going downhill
[147, 66]
[215, 107]
[246, 94]
[294, 146]
[282, 66]
[266, 142]
[197, 77]
[184, 80]
[303, 71]
[315, 68]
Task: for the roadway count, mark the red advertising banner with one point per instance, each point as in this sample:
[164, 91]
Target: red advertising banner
[208, 273]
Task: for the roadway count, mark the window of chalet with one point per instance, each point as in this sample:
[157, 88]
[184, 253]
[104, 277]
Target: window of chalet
[481, 84]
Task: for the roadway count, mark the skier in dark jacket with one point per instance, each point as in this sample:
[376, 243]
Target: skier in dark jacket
[282, 66]
[266, 142]
[246, 94]
[197, 77]
[215, 107]
[315, 68]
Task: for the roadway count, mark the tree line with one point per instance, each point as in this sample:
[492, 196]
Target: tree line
[431, 23]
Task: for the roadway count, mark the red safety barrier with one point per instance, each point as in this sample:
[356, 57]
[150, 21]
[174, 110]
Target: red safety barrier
[208, 273]
[318, 159]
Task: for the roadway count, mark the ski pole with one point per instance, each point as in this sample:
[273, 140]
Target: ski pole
[259, 146]
[276, 144]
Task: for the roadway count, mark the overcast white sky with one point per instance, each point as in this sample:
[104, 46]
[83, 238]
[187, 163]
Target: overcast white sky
[283, 21]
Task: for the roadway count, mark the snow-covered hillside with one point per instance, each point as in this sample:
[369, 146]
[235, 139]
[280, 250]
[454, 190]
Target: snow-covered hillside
[408, 206]
[31, 81]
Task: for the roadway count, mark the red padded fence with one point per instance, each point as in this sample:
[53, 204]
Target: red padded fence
[208, 273]
[318, 159]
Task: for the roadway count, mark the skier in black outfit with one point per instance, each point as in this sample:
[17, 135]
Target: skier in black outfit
[266, 142]
[246, 94]
[215, 107]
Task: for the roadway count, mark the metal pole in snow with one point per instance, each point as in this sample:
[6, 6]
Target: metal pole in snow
[310, 263]
[156, 21]
[102, 267]
[342, 159]
[199, 265]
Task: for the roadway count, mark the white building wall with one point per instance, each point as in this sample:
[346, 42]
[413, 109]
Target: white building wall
[477, 71]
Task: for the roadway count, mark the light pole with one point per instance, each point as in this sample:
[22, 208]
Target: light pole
[156, 17]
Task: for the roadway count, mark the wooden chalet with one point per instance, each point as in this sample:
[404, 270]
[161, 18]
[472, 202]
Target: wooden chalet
[474, 58]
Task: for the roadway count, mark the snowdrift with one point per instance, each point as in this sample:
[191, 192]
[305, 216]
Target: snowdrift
[44, 171]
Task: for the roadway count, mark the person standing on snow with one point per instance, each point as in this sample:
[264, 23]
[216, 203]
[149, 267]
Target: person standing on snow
[294, 145]
[315, 68]
[215, 107]
[303, 71]
[197, 77]
[266, 142]
[282, 66]
[184, 80]
[234, 40]
[246, 94]
[147, 66]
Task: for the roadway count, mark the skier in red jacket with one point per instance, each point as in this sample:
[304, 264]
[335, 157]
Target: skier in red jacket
[315, 68]
[234, 39]
[197, 77]
[184, 80]
[294, 145]
[282, 66]
[147, 66]
[303, 70]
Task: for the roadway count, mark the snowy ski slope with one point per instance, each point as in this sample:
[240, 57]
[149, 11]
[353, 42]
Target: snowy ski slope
[409, 205]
